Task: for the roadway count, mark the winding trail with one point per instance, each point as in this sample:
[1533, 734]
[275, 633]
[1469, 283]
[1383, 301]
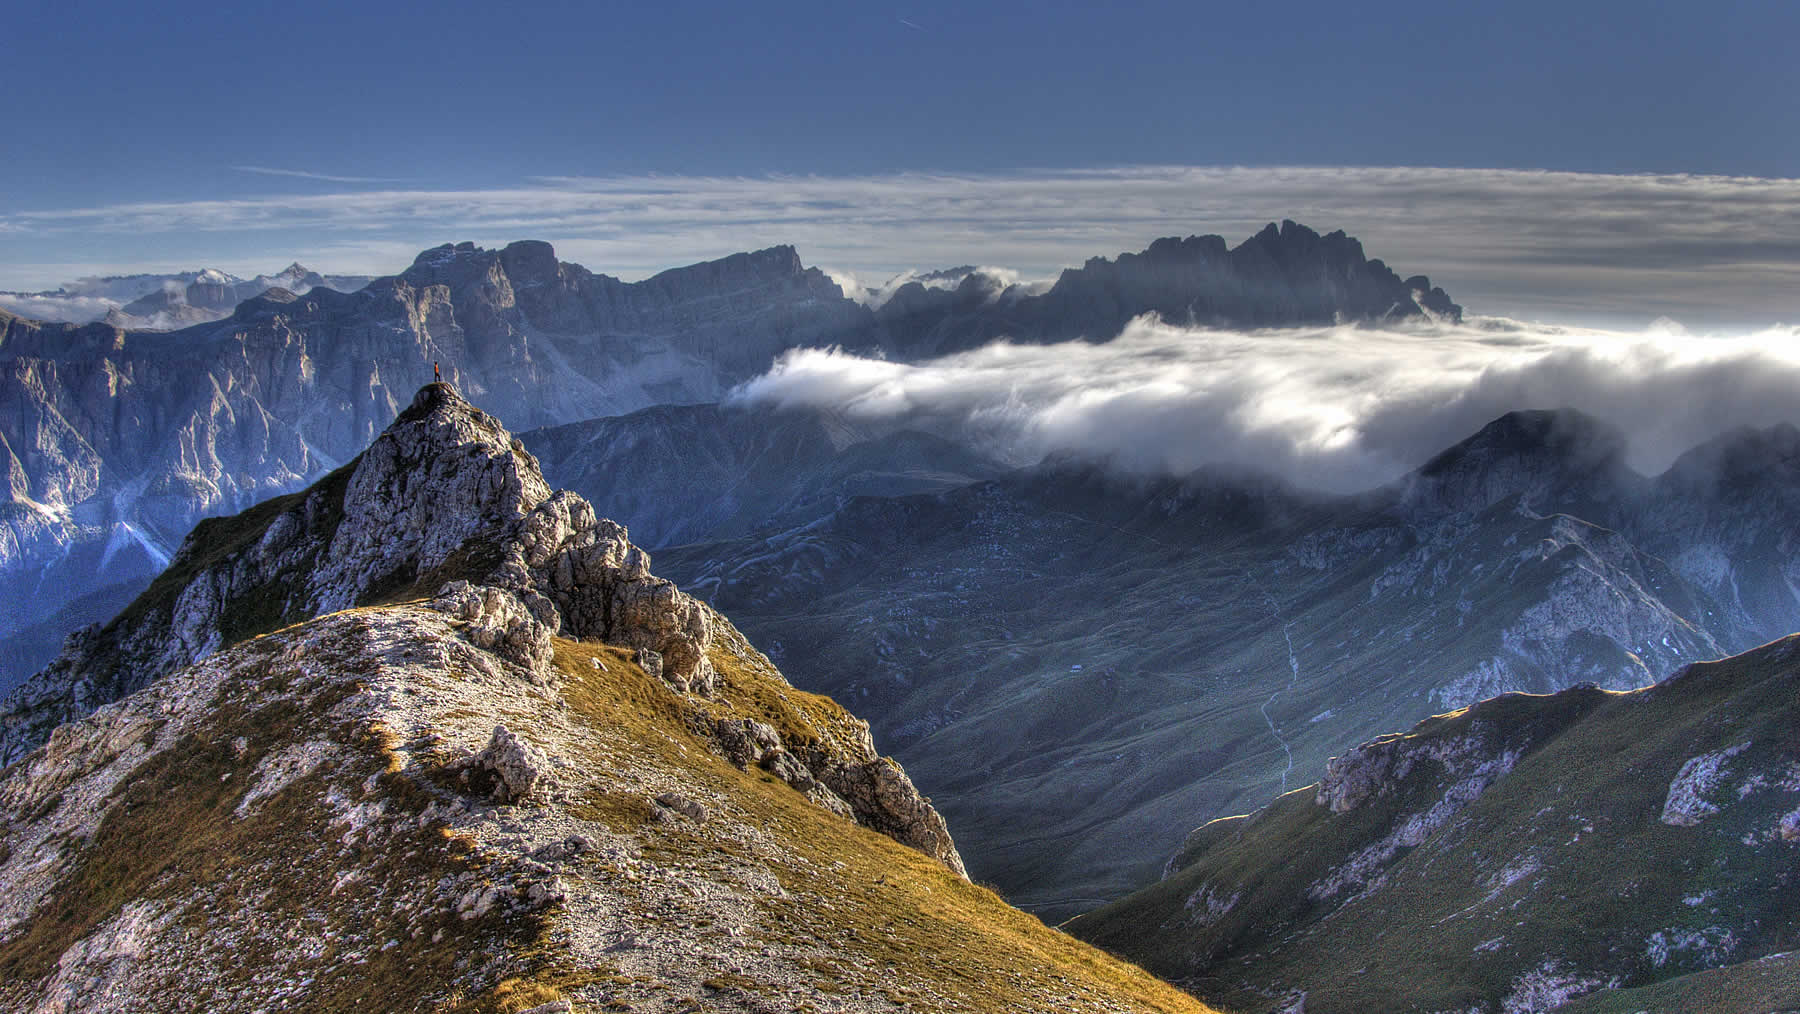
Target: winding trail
[1287, 634]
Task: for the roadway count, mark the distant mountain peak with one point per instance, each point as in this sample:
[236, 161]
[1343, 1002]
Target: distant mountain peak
[1745, 451]
[1565, 434]
[1531, 454]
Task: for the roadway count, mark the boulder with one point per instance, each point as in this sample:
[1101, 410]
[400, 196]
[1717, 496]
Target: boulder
[521, 770]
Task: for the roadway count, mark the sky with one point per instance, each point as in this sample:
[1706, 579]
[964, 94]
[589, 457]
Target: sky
[1596, 162]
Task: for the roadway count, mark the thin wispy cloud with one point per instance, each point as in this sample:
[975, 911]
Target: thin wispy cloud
[1521, 242]
[261, 170]
[1335, 408]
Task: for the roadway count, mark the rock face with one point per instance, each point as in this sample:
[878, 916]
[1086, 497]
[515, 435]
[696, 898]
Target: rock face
[119, 440]
[1585, 849]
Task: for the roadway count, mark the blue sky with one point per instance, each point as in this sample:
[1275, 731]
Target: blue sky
[437, 106]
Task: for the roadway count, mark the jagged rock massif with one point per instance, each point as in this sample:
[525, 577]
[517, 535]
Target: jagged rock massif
[1582, 851]
[116, 441]
[1283, 276]
[429, 736]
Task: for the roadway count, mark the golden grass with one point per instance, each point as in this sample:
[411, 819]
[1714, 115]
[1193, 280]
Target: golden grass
[894, 920]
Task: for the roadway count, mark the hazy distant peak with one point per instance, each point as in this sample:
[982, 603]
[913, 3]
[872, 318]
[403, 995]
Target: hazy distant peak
[1537, 455]
[1744, 451]
[1564, 434]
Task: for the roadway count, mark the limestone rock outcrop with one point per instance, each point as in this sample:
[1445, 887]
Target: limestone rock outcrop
[602, 588]
[1687, 803]
[520, 769]
[442, 475]
[496, 620]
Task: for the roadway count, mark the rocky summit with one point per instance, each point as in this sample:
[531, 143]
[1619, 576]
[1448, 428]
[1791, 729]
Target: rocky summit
[430, 736]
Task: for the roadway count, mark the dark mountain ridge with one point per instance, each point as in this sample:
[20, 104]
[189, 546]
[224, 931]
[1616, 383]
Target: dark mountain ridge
[118, 437]
[1286, 275]
[1274, 626]
[690, 473]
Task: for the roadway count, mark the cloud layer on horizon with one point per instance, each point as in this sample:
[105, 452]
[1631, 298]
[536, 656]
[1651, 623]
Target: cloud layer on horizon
[1339, 409]
[1552, 244]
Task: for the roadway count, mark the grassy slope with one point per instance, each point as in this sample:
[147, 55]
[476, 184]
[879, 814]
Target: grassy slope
[1562, 865]
[869, 917]
[216, 540]
[893, 920]
[171, 842]
[1767, 984]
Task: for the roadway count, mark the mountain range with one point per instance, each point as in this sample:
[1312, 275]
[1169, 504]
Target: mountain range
[165, 301]
[325, 620]
[116, 441]
[256, 553]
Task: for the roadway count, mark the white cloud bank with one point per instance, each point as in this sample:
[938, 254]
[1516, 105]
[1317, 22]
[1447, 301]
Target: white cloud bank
[1560, 245]
[1340, 409]
[78, 309]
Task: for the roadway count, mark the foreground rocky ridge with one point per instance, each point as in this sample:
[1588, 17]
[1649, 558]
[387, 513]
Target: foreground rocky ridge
[434, 796]
[372, 810]
[1529, 853]
[446, 501]
[117, 441]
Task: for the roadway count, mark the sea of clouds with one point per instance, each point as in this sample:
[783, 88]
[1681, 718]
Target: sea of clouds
[1332, 408]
